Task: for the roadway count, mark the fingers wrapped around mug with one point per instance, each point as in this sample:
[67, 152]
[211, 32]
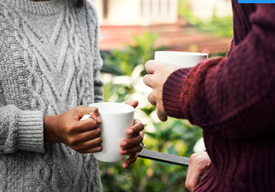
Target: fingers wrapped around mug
[158, 73]
[67, 128]
[132, 145]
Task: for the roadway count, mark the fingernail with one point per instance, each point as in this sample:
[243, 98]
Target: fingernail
[124, 143]
[99, 118]
[130, 131]
[124, 152]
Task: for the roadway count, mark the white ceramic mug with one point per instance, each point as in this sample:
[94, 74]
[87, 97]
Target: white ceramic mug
[183, 59]
[116, 118]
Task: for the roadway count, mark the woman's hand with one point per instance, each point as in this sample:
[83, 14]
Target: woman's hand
[133, 145]
[198, 165]
[81, 136]
[157, 75]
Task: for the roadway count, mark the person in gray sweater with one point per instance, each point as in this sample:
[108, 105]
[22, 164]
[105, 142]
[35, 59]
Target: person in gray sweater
[49, 73]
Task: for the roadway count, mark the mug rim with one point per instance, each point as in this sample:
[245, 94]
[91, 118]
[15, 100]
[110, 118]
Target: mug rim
[130, 108]
[182, 53]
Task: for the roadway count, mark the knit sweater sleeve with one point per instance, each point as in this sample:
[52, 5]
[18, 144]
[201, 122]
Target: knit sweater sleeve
[234, 95]
[20, 130]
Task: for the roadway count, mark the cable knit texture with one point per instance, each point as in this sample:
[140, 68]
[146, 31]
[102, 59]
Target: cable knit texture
[232, 99]
[49, 64]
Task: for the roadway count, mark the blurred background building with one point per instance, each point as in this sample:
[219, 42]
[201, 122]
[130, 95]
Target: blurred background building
[137, 12]
[204, 9]
[120, 19]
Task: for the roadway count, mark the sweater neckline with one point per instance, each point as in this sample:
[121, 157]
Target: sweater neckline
[37, 8]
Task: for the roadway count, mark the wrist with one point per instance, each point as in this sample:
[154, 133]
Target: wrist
[50, 127]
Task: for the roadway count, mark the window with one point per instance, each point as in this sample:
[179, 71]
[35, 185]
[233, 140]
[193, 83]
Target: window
[156, 9]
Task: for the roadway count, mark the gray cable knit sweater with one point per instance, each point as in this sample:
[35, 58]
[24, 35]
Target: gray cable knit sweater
[49, 63]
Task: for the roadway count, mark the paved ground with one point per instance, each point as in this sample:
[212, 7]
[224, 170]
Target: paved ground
[174, 36]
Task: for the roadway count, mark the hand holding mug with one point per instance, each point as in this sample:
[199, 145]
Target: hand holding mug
[81, 136]
[158, 73]
[133, 144]
[165, 63]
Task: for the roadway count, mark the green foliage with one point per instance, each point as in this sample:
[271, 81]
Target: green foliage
[117, 92]
[220, 26]
[185, 12]
[173, 136]
[217, 55]
[123, 62]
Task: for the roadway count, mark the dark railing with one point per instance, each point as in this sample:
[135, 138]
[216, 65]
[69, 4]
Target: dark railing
[164, 157]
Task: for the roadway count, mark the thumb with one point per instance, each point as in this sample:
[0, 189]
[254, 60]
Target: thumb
[132, 103]
[90, 112]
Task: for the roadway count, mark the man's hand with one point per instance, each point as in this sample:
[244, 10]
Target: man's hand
[198, 165]
[157, 75]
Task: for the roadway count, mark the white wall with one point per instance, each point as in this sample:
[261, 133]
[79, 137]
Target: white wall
[123, 12]
[99, 8]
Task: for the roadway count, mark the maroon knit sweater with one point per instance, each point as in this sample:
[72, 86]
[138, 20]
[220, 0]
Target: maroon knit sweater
[233, 100]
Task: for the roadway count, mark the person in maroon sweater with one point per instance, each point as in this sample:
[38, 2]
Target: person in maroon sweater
[232, 99]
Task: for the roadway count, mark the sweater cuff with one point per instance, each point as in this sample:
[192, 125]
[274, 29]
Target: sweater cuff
[31, 131]
[172, 91]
